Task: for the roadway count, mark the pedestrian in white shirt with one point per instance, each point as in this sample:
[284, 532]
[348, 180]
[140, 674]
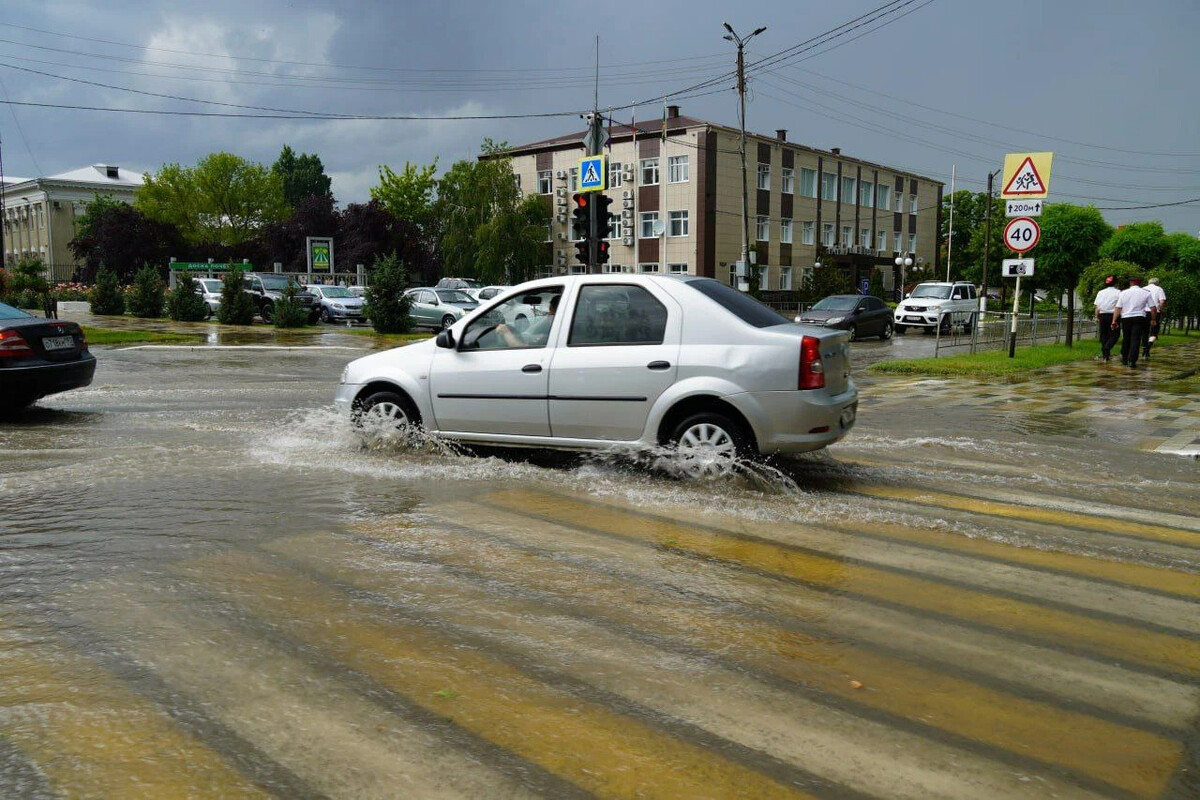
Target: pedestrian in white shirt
[1106, 304]
[1133, 306]
[1159, 302]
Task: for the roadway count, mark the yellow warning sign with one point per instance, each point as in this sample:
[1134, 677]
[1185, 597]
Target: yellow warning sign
[1026, 175]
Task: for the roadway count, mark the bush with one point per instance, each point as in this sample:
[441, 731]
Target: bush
[387, 305]
[876, 285]
[145, 297]
[185, 304]
[107, 298]
[71, 292]
[27, 278]
[237, 307]
[289, 311]
[1091, 280]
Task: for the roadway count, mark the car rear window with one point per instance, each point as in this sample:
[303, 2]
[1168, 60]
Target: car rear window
[9, 312]
[740, 304]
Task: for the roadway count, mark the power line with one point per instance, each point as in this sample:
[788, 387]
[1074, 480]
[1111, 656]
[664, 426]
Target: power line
[21, 131]
[232, 115]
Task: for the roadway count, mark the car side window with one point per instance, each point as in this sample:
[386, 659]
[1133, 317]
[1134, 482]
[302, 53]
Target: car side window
[957, 294]
[874, 304]
[428, 298]
[617, 315]
[971, 292]
[522, 321]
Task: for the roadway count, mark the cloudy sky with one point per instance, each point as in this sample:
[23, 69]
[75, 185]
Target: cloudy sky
[1107, 85]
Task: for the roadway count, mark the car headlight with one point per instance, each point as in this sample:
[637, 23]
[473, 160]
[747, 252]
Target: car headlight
[834, 320]
[338, 307]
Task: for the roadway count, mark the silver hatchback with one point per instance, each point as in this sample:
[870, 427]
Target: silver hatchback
[618, 360]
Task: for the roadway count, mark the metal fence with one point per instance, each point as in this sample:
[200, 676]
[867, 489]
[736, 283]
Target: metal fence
[990, 330]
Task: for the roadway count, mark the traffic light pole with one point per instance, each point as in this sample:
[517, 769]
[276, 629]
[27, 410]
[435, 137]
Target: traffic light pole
[595, 146]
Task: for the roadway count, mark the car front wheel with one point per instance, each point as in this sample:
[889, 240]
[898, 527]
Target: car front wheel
[325, 315]
[708, 445]
[268, 312]
[887, 332]
[853, 333]
[385, 410]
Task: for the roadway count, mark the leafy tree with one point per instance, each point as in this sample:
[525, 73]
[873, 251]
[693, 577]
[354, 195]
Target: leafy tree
[283, 241]
[1143, 243]
[302, 176]
[1071, 240]
[876, 286]
[488, 229]
[970, 233]
[28, 277]
[289, 311]
[409, 195]
[184, 304]
[1183, 295]
[1185, 252]
[93, 210]
[823, 282]
[224, 199]
[387, 306]
[369, 231]
[107, 297]
[145, 297]
[1091, 280]
[237, 306]
[124, 239]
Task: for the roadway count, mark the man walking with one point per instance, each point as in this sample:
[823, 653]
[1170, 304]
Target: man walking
[1132, 306]
[1158, 302]
[1106, 303]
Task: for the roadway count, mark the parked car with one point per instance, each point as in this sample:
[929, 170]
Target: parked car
[210, 290]
[438, 308]
[337, 303]
[937, 304]
[487, 292]
[628, 360]
[861, 315]
[40, 357]
[358, 291]
[267, 287]
[458, 283]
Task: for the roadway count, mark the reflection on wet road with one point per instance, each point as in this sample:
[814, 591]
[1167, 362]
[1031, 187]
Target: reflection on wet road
[211, 589]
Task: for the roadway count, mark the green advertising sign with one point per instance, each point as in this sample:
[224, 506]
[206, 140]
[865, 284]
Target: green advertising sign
[320, 253]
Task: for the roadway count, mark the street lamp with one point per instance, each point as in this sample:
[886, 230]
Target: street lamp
[903, 263]
[741, 75]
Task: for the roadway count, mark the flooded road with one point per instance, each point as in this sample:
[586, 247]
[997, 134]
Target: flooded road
[210, 588]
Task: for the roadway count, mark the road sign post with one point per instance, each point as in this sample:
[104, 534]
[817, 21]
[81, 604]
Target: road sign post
[1020, 235]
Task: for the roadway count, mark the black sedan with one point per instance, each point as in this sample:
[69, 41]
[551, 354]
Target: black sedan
[862, 315]
[39, 357]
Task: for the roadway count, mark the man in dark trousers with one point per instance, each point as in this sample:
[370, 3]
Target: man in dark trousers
[1106, 304]
[1132, 307]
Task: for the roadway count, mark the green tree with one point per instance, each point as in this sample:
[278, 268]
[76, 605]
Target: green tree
[876, 286]
[289, 311]
[387, 306]
[487, 229]
[1071, 240]
[107, 297]
[27, 282]
[302, 176]
[94, 210]
[223, 200]
[1185, 252]
[237, 306]
[184, 304]
[1143, 243]
[145, 297]
[409, 195]
[1091, 280]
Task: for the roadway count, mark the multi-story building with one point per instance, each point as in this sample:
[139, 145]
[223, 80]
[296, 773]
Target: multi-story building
[677, 184]
[39, 213]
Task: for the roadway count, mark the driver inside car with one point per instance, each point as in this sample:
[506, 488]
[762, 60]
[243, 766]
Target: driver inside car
[536, 334]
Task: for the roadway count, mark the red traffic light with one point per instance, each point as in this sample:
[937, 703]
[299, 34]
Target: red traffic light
[581, 199]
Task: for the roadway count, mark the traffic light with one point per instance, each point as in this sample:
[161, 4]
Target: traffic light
[603, 218]
[602, 251]
[581, 251]
[581, 224]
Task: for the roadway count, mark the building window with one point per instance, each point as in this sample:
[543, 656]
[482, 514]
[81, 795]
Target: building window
[866, 194]
[618, 228]
[677, 169]
[912, 204]
[847, 235]
[764, 176]
[788, 179]
[574, 184]
[649, 172]
[611, 268]
[649, 221]
[827, 234]
[764, 277]
[785, 278]
[648, 267]
[864, 237]
[808, 182]
[899, 203]
[677, 223]
[615, 179]
[550, 231]
[677, 269]
[763, 228]
[785, 231]
[883, 240]
[848, 193]
[912, 243]
[546, 181]
[899, 242]
[807, 232]
[884, 198]
[828, 186]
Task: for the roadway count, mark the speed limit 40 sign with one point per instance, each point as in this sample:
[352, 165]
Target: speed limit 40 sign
[1022, 234]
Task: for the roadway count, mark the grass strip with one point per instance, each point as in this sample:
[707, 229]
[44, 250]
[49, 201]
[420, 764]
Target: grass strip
[109, 336]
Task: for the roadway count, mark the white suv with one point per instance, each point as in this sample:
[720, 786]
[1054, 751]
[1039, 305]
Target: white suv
[935, 304]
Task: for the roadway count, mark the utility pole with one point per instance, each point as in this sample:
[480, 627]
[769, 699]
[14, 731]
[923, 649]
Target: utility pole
[2, 251]
[987, 236]
[741, 75]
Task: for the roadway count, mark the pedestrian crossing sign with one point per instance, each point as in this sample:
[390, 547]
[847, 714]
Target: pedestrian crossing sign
[1026, 175]
[593, 174]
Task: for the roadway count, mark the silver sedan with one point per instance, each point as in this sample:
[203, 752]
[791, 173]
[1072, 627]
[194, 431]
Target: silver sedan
[637, 361]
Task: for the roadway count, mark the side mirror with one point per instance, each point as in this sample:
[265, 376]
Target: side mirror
[445, 339]
[907, 295]
[858, 310]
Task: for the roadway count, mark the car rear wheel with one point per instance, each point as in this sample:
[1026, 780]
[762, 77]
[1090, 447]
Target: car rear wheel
[447, 321]
[969, 325]
[268, 312]
[887, 332]
[946, 327]
[708, 445]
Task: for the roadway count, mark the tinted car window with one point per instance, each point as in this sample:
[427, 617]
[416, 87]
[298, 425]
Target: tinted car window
[617, 315]
[741, 305]
[874, 304]
[8, 312]
[835, 303]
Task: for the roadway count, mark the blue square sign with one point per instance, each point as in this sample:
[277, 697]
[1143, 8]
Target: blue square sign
[593, 175]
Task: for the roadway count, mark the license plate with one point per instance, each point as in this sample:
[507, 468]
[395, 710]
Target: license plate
[913, 319]
[58, 343]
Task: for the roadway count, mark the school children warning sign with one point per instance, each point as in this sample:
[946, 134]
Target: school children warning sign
[1026, 175]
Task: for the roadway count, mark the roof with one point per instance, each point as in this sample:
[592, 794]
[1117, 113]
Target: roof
[100, 173]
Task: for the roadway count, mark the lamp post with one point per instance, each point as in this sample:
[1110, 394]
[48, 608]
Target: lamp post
[987, 238]
[903, 262]
[741, 74]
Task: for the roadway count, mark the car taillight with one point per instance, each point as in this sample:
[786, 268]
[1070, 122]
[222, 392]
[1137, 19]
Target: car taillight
[13, 345]
[82, 341]
[812, 371]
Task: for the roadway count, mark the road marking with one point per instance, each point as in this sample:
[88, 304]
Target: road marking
[601, 751]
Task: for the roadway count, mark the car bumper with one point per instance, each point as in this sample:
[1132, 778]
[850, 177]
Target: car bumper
[343, 397]
[917, 319]
[26, 383]
[798, 421]
[354, 315]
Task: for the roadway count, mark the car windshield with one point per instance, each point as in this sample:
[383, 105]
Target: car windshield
[336, 291]
[275, 283]
[8, 312]
[836, 303]
[741, 305]
[211, 284]
[936, 292]
[453, 296]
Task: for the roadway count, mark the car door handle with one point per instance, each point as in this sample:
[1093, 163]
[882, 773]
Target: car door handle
[531, 368]
[659, 365]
